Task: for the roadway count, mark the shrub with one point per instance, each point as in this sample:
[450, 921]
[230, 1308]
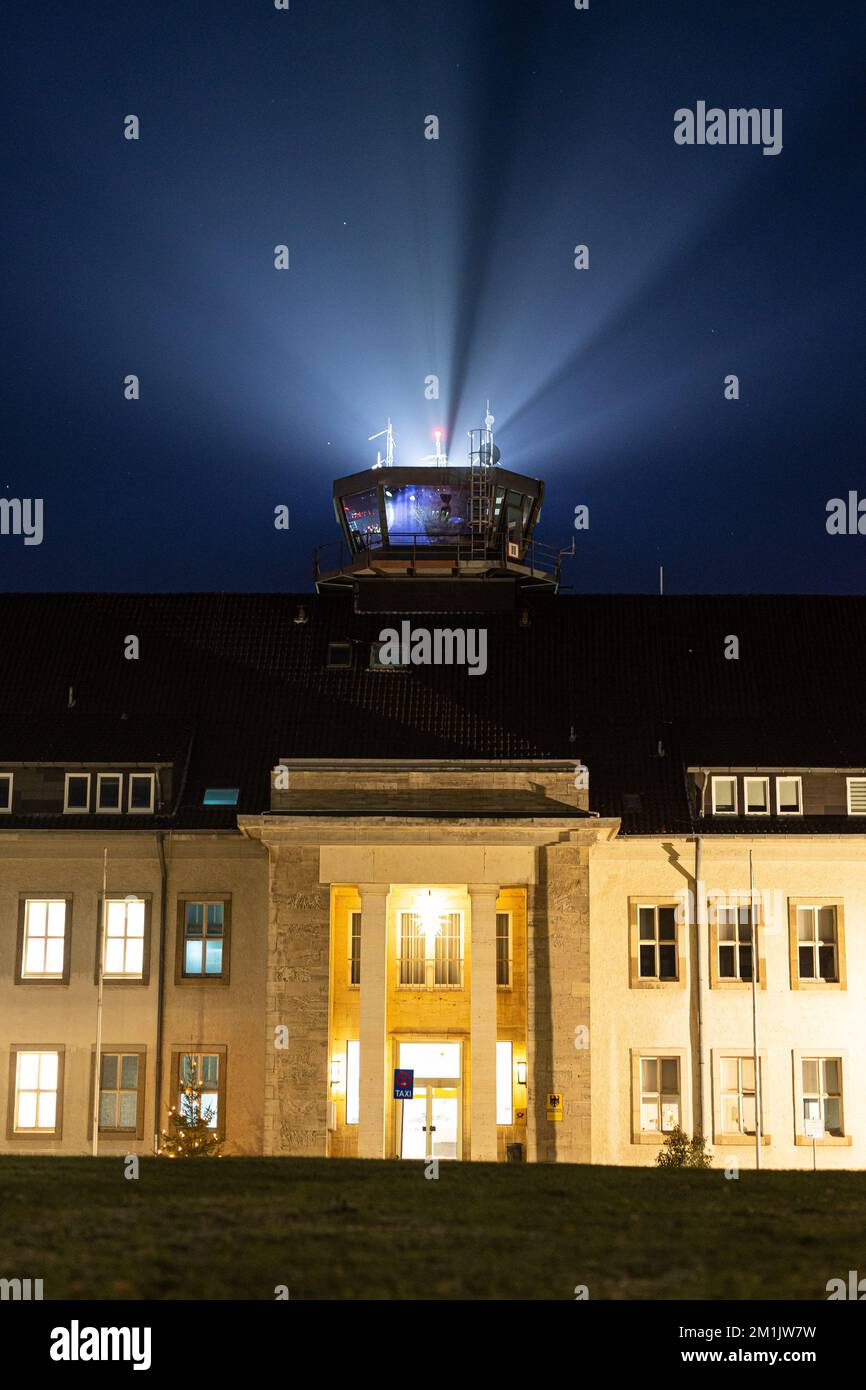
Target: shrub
[679, 1151]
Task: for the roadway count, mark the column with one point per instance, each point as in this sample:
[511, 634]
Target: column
[373, 1020]
[482, 1020]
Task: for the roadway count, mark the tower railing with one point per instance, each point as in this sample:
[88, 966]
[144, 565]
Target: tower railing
[438, 549]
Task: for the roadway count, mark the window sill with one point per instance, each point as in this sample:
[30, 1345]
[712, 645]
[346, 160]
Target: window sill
[429, 989]
[830, 1141]
[651, 1137]
[817, 984]
[742, 1141]
[644, 982]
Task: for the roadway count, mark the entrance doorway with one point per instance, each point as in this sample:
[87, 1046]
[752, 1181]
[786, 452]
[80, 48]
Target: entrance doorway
[431, 1122]
[429, 1125]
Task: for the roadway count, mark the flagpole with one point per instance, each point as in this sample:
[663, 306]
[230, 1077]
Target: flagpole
[100, 970]
[754, 933]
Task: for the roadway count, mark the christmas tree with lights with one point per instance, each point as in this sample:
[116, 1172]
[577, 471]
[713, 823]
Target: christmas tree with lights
[190, 1133]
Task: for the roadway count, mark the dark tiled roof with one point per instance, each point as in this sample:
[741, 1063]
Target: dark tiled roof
[226, 684]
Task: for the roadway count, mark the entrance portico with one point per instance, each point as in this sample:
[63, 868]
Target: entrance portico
[427, 903]
[426, 971]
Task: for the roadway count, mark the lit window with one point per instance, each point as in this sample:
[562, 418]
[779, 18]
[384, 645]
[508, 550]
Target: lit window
[431, 952]
[659, 1094]
[123, 957]
[353, 1081]
[503, 949]
[354, 948]
[657, 944]
[108, 787]
[441, 1060]
[822, 1092]
[37, 1088]
[204, 938]
[221, 796]
[756, 791]
[737, 1077]
[77, 797]
[119, 1091]
[789, 796]
[142, 787]
[199, 1087]
[6, 792]
[44, 945]
[504, 1084]
[724, 796]
[817, 944]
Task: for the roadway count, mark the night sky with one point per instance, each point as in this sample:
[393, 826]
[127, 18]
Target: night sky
[411, 257]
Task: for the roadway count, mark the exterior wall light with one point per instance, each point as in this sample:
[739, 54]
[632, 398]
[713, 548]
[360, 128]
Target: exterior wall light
[521, 1073]
[429, 911]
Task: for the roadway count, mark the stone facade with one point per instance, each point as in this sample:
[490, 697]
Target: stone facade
[296, 1004]
[558, 1002]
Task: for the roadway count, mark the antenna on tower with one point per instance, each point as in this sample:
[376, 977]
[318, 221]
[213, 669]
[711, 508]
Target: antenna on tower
[388, 435]
[439, 458]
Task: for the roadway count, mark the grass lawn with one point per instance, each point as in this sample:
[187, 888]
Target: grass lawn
[235, 1228]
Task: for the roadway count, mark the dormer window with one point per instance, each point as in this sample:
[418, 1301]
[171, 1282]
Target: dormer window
[724, 796]
[76, 800]
[5, 793]
[756, 794]
[142, 788]
[108, 789]
[789, 796]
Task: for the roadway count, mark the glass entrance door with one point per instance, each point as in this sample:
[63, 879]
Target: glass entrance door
[429, 1125]
[431, 1122]
[443, 1127]
[414, 1138]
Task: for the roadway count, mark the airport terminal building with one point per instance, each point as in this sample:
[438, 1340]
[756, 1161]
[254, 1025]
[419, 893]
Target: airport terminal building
[613, 883]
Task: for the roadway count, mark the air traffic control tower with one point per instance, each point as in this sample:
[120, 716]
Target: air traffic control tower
[437, 535]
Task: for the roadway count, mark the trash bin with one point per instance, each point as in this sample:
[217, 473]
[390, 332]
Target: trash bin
[514, 1153]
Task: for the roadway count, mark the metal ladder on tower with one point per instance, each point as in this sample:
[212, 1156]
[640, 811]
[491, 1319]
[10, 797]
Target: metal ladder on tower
[481, 460]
